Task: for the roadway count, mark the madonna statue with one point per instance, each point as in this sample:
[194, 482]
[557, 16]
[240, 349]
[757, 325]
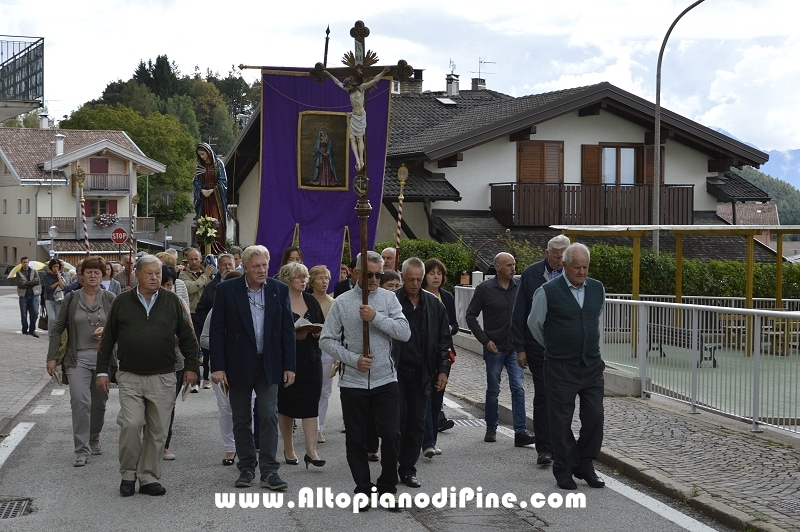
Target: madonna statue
[210, 188]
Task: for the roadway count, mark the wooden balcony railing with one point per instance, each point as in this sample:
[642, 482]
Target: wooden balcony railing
[107, 182]
[544, 204]
[73, 228]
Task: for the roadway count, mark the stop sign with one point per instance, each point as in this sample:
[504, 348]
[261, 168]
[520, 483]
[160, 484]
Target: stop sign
[119, 235]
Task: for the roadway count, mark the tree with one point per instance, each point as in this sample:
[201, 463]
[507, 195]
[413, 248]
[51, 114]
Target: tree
[213, 118]
[29, 120]
[160, 77]
[181, 107]
[160, 137]
[131, 94]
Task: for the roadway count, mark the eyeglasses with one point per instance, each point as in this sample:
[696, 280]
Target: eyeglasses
[300, 278]
[374, 275]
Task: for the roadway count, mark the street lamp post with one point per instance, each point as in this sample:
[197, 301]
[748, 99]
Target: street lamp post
[657, 134]
[402, 177]
[51, 231]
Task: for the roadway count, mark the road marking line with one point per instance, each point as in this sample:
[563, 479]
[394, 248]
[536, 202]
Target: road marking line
[648, 502]
[41, 409]
[58, 391]
[657, 507]
[12, 440]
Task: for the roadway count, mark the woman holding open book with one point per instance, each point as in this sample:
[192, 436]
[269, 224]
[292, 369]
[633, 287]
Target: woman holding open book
[301, 400]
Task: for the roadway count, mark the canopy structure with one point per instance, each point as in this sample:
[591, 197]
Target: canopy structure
[638, 231]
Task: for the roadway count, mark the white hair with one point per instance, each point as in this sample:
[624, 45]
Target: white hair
[413, 262]
[560, 242]
[254, 250]
[570, 252]
[372, 256]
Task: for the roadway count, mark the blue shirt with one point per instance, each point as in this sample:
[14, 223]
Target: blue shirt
[147, 306]
[256, 298]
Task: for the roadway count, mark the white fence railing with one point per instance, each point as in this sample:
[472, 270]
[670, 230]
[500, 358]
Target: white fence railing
[744, 363]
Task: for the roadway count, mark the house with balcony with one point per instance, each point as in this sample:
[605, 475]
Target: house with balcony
[39, 190]
[481, 162]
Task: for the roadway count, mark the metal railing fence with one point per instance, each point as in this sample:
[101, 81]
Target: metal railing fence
[740, 362]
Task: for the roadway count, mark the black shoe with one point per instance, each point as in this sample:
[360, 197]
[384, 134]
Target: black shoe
[293, 461]
[491, 434]
[411, 481]
[447, 424]
[316, 463]
[591, 478]
[228, 461]
[154, 488]
[545, 458]
[526, 437]
[33, 333]
[127, 488]
[245, 479]
[567, 484]
[274, 482]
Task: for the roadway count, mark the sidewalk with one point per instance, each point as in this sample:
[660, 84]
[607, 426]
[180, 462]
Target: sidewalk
[715, 464]
[22, 359]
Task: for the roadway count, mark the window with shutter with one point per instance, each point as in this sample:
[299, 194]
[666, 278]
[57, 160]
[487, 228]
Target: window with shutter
[649, 160]
[98, 165]
[112, 206]
[540, 161]
[590, 164]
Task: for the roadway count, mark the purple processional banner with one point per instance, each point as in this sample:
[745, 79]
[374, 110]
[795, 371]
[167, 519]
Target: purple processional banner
[307, 167]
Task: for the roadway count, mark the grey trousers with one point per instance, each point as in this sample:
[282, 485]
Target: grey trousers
[53, 308]
[88, 408]
[145, 407]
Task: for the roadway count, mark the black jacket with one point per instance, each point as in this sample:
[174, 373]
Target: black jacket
[341, 287]
[437, 336]
[531, 279]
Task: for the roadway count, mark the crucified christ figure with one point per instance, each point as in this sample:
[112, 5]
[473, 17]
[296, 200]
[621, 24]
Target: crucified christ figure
[358, 117]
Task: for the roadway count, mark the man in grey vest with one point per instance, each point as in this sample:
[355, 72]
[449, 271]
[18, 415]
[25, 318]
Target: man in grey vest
[565, 318]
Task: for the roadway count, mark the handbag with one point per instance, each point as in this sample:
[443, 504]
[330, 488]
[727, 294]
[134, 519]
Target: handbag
[42, 318]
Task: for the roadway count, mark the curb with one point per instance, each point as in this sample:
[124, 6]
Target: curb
[658, 481]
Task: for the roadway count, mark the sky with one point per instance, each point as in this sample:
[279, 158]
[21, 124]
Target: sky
[729, 64]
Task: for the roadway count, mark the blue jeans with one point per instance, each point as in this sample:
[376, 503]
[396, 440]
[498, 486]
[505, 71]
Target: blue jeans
[29, 311]
[494, 368]
[432, 417]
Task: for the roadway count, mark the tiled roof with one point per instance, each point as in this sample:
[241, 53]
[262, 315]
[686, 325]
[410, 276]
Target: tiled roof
[749, 213]
[477, 230]
[470, 118]
[26, 148]
[414, 114]
[96, 245]
[421, 184]
[732, 187]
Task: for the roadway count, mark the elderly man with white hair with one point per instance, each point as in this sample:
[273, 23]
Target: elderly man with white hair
[566, 319]
[143, 323]
[530, 353]
[252, 342]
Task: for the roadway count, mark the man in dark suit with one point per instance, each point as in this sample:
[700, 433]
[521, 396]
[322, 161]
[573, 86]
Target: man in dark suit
[253, 348]
[529, 351]
[343, 286]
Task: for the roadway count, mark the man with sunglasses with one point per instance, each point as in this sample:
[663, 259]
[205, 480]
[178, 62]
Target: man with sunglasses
[368, 384]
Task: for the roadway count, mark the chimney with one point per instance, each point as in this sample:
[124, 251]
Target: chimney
[452, 84]
[59, 144]
[478, 84]
[44, 121]
[412, 85]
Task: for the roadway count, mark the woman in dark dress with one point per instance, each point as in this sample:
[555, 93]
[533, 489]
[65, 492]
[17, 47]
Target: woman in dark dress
[301, 399]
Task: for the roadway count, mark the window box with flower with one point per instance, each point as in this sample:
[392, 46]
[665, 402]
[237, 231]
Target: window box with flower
[106, 220]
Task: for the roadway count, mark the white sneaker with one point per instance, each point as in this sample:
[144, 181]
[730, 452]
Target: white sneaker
[206, 385]
[429, 452]
[195, 389]
[437, 451]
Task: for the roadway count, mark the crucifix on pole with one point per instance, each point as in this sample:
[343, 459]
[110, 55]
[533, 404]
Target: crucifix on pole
[360, 74]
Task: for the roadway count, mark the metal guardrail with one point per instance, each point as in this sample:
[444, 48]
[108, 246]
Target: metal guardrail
[740, 362]
[765, 303]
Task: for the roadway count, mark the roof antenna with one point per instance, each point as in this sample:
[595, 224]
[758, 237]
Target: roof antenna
[452, 67]
[481, 62]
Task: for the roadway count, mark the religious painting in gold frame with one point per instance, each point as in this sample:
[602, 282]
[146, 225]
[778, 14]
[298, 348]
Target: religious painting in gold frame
[323, 154]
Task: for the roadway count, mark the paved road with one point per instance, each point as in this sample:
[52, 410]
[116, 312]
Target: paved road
[68, 498]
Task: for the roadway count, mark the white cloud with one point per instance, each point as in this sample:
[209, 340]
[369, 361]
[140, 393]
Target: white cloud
[757, 99]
